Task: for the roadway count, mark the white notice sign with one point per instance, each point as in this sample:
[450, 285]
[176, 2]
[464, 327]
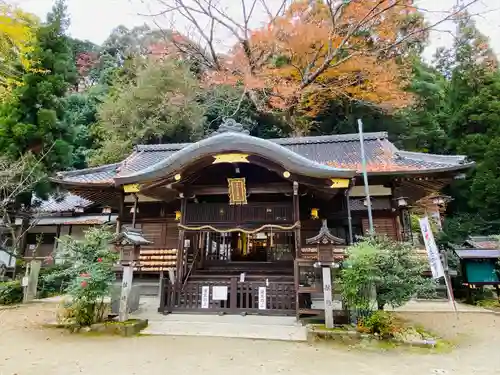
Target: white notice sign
[205, 297]
[432, 250]
[262, 298]
[219, 293]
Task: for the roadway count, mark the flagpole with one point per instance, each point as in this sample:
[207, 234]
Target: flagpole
[365, 176]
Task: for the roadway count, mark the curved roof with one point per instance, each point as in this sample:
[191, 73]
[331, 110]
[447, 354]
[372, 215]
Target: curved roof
[236, 142]
[339, 152]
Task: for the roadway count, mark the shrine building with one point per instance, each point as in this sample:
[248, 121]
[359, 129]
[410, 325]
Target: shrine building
[239, 224]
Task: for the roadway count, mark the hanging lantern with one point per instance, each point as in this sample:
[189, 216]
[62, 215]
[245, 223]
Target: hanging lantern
[177, 215]
[315, 213]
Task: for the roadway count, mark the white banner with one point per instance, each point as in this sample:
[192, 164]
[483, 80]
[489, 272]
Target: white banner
[432, 250]
[262, 298]
[205, 297]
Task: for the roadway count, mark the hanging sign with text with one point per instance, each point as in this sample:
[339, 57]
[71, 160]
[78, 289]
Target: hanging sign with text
[431, 247]
[262, 298]
[205, 297]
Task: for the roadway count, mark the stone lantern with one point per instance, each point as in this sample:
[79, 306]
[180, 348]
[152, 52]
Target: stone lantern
[326, 243]
[129, 242]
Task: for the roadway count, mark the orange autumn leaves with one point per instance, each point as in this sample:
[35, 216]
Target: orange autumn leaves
[354, 49]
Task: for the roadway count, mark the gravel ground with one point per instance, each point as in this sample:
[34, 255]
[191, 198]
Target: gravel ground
[25, 349]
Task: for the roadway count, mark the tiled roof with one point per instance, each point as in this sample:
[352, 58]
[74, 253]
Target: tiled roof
[378, 203]
[77, 220]
[65, 203]
[97, 175]
[483, 242]
[340, 151]
[478, 254]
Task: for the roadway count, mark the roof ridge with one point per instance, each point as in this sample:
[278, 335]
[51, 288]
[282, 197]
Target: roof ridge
[88, 170]
[432, 154]
[349, 137]
[329, 138]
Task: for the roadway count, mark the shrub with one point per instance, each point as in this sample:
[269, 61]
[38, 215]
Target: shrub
[54, 280]
[381, 323]
[380, 269]
[91, 273]
[11, 292]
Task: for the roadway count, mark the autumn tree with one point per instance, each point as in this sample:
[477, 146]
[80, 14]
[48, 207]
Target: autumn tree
[17, 36]
[86, 56]
[310, 51]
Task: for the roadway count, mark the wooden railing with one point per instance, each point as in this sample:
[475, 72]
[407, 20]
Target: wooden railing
[203, 213]
[241, 297]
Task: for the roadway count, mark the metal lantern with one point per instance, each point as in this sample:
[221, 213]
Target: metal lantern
[440, 200]
[106, 210]
[315, 213]
[177, 215]
[402, 202]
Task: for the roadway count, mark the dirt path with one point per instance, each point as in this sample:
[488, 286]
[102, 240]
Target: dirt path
[25, 349]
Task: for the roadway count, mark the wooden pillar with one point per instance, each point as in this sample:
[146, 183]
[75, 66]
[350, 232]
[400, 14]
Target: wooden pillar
[296, 217]
[23, 233]
[349, 216]
[180, 247]
[121, 212]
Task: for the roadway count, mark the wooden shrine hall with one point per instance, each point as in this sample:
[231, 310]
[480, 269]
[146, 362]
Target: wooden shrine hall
[237, 224]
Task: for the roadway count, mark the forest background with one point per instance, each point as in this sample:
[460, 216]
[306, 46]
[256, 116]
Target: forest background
[313, 69]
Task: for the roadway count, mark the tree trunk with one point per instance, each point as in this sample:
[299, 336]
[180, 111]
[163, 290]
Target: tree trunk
[380, 305]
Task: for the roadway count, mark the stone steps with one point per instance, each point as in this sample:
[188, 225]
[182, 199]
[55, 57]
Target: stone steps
[234, 326]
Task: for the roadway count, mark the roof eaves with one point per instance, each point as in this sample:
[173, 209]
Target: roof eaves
[434, 158]
[85, 171]
[423, 170]
[96, 183]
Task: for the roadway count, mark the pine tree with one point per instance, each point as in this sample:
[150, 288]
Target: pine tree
[32, 120]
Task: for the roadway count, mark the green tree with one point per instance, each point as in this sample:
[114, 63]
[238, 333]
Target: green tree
[225, 101]
[425, 118]
[32, 120]
[160, 105]
[457, 111]
[81, 115]
[391, 268]
[124, 43]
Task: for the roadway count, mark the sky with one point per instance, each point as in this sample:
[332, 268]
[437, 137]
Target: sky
[95, 19]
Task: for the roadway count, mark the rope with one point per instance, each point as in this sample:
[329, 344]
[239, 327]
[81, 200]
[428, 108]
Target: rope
[231, 230]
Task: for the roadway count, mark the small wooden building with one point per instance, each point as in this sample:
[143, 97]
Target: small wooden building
[479, 261]
[52, 219]
[231, 214]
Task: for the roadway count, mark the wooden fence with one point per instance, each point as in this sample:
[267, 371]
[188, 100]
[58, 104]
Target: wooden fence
[251, 297]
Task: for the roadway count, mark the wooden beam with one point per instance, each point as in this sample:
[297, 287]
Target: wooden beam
[272, 188]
